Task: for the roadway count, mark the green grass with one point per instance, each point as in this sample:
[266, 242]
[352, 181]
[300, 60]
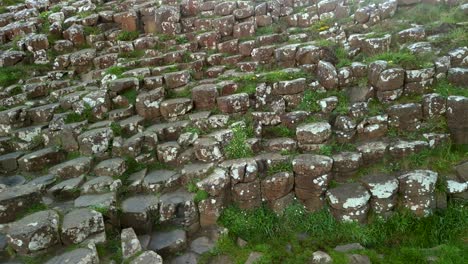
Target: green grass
[73, 155]
[403, 238]
[181, 39]
[446, 89]
[200, 195]
[248, 82]
[89, 30]
[12, 74]
[131, 96]
[116, 70]
[191, 129]
[111, 249]
[179, 93]
[127, 35]
[34, 208]
[116, 129]
[279, 131]
[457, 37]
[237, 148]
[310, 101]
[285, 166]
[334, 147]
[404, 59]
[441, 159]
[342, 56]
[74, 117]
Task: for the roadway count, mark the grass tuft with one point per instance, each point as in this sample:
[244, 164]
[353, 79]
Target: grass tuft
[237, 148]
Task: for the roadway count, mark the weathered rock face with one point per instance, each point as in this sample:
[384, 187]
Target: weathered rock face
[456, 109]
[418, 189]
[95, 142]
[16, 200]
[34, 232]
[137, 212]
[383, 189]
[81, 224]
[349, 202]
[86, 255]
[312, 176]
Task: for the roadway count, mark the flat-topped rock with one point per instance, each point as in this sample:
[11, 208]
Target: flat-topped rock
[137, 212]
[79, 224]
[37, 160]
[168, 242]
[34, 232]
[72, 168]
[148, 257]
[418, 182]
[348, 196]
[159, 180]
[15, 200]
[312, 165]
[83, 255]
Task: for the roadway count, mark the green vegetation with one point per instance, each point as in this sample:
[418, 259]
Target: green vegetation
[403, 238]
[84, 14]
[12, 74]
[200, 195]
[278, 131]
[33, 208]
[116, 70]
[444, 88]
[237, 147]
[131, 95]
[75, 117]
[127, 35]
[116, 129]
[73, 155]
[16, 90]
[248, 83]
[310, 101]
[268, 30]
[181, 39]
[178, 93]
[335, 147]
[342, 56]
[110, 250]
[88, 30]
[457, 37]
[405, 59]
[191, 129]
[425, 14]
[441, 159]
[285, 166]
[104, 210]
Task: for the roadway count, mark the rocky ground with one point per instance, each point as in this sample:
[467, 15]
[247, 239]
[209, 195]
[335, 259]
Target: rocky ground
[127, 127]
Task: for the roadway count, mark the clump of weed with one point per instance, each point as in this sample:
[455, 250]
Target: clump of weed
[75, 117]
[237, 148]
[310, 101]
[127, 35]
[116, 70]
[446, 89]
[405, 59]
[116, 129]
[285, 166]
[399, 238]
[279, 131]
[131, 95]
